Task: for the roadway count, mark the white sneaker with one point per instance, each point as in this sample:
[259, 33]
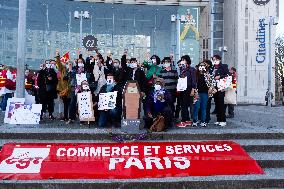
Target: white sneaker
[217, 123]
[222, 124]
[194, 124]
[203, 125]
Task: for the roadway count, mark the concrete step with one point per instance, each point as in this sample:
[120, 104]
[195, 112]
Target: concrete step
[273, 178]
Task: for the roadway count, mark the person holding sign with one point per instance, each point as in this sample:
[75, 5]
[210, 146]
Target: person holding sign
[112, 113]
[187, 95]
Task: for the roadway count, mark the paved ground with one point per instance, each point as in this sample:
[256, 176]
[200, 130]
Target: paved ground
[246, 118]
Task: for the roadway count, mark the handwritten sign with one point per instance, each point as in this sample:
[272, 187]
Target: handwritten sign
[107, 101]
[85, 106]
[80, 78]
[182, 84]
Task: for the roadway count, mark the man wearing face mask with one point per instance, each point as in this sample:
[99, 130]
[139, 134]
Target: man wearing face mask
[114, 68]
[99, 72]
[111, 116]
[187, 95]
[170, 77]
[47, 82]
[220, 71]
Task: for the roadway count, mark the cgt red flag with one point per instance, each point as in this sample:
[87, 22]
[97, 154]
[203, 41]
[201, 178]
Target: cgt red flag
[65, 58]
[124, 160]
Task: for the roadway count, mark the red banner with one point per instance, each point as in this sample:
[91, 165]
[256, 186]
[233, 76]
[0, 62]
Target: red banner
[124, 160]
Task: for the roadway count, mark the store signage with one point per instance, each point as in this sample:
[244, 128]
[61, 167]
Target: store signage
[261, 2]
[124, 160]
[261, 41]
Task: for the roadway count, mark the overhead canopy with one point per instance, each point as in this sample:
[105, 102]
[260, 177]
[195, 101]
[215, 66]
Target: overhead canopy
[154, 2]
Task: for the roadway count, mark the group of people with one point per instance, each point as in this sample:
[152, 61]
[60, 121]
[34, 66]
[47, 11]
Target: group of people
[157, 80]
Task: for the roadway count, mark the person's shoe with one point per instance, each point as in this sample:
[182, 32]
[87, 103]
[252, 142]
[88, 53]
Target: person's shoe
[217, 123]
[69, 121]
[188, 123]
[51, 117]
[222, 124]
[181, 124]
[194, 124]
[203, 124]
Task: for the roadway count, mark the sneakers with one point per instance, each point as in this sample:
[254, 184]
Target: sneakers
[184, 124]
[203, 124]
[216, 123]
[222, 124]
[194, 124]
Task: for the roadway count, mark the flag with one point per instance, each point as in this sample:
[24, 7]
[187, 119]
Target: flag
[65, 58]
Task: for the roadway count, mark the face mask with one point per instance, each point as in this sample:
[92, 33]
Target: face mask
[110, 82]
[154, 61]
[85, 87]
[48, 66]
[96, 61]
[157, 87]
[52, 66]
[80, 65]
[166, 65]
[40, 67]
[202, 68]
[133, 65]
[183, 66]
[116, 65]
[216, 62]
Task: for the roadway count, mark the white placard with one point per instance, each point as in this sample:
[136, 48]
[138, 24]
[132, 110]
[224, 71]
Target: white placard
[85, 105]
[11, 107]
[107, 101]
[225, 83]
[182, 84]
[26, 114]
[80, 78]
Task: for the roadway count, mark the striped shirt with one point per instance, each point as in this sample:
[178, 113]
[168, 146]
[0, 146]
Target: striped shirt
[170, 78]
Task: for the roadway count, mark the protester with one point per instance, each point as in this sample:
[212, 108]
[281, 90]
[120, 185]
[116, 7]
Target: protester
[159, 104]
[10, 86]
[114, 68]
[47, 83]
[231, 95]
[112, 116]
[99, 72]
[187, 95]
[201, 95]
[220, 72]
[170, 77]
[153, 69]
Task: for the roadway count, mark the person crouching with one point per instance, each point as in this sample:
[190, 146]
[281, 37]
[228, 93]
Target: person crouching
[158, 107]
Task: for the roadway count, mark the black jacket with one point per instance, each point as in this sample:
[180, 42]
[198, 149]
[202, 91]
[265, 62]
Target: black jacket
[139, 75]
[45, 85]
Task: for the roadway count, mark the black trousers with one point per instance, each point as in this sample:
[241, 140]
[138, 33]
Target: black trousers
[66, 102]
[220, 106]
[47, 101]
[186, 102]
[231, 109]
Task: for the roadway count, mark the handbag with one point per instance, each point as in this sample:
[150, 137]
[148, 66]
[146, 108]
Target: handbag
[230, 97]
[158, 125]
[9, 84]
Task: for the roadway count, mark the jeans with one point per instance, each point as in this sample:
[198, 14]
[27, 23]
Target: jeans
[4, 100]
[201, 103]
[110, 115]
[73, 106]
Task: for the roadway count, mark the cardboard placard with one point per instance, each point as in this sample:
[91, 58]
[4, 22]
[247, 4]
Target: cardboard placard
[131, 100]
[85, 106]
[107, 101]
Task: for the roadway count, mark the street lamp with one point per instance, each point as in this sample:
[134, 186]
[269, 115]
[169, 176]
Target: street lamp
[81, 15]
[273, 21]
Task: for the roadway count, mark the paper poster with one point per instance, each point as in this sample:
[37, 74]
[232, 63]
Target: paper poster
[107, 101]
[11, 103]
[85, 106]
[182, 84]
[224, 84]
[81, 77]
[26, 114]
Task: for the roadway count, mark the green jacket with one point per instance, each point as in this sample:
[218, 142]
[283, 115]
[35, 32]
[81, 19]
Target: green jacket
[151, 69]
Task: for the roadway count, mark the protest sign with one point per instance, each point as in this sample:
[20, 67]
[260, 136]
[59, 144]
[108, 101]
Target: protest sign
[107, 101]
[85, 106]
[124, 160]
[80, 78]
[182, 84]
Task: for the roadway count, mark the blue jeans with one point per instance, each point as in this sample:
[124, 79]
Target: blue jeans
[4, 100]
[110, 115]
[200, 103]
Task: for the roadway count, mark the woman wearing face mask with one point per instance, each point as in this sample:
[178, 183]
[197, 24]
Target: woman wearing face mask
[99, 72]
[47, 83]
[220, 71]
[114, 68]
[154, 68]
[111, 116]
[159, 102]
[201, 95]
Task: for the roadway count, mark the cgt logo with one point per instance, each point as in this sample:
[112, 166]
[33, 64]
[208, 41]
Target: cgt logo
[24, 160]
[261, 2]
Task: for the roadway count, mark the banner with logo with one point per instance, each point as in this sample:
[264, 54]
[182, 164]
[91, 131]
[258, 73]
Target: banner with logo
[124, 160]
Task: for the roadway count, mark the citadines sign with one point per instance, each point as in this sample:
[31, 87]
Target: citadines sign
[261, 40]
[124, 160]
